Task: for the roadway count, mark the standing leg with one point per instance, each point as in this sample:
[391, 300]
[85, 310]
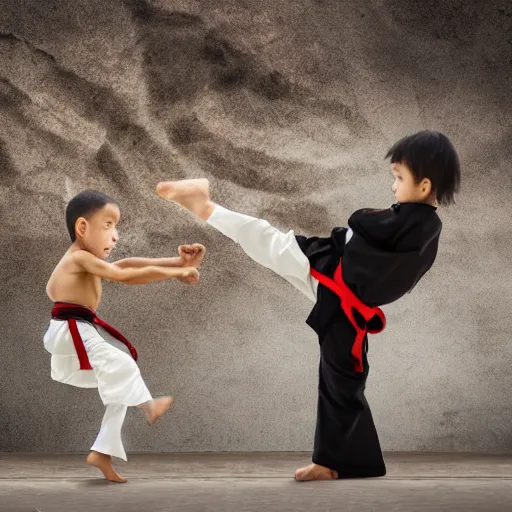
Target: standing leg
[364, 454]
[120, 385]
[345, 438]
[108, 440]
[108, 443]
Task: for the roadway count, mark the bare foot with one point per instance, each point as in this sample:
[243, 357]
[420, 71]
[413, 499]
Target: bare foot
[155, 408]
[194, 195]
[104, 464]
[315, 472]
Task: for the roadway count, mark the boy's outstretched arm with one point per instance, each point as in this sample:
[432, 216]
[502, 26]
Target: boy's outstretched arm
[148, 262]
[189, 256]
[143, 275]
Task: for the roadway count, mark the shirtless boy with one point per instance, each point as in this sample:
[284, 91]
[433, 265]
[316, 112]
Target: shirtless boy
[81, 356]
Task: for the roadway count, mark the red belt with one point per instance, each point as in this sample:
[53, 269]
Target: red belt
[72, 312]
[349, 303]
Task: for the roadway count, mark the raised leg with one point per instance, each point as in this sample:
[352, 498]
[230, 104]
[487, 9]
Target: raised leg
[155, 408]
[194, 195]
[117, 374]
[262, 242]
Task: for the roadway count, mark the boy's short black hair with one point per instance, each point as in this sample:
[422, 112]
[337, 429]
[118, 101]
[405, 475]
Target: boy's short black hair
[84, 204]
[430, 154]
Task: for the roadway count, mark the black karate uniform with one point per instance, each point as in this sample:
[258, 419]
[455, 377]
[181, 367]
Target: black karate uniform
[390, 250]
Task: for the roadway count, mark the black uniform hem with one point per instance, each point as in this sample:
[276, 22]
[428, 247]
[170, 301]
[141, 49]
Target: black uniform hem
[352, 471]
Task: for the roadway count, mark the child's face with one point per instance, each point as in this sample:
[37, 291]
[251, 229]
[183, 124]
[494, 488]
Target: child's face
[98, 234]
[405, 187]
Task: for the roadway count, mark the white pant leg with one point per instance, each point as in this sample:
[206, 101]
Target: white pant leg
[117, 374]
[267, 246]
[120, 384]
[109, 439]
[114, 373]
[65, 366]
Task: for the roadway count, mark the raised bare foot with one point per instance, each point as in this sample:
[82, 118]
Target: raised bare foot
[155, 408]
[194, 195]
[104, 464]
[315, 472]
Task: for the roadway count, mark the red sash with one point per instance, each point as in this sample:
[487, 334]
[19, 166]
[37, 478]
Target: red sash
[349, 303]
[72, 312]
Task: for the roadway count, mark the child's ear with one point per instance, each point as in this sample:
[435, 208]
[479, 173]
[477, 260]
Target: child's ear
[80, 226]
[426, 187]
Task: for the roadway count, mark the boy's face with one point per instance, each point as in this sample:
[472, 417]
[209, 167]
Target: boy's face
[405, 187]
[98, 234]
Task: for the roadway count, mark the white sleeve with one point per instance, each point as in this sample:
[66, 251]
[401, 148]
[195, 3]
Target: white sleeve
[267, 246]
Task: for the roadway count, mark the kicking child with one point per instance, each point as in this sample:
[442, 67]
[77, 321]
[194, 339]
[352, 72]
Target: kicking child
[377, 259]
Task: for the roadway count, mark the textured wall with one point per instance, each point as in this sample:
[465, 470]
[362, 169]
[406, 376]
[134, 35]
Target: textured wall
[288, 107]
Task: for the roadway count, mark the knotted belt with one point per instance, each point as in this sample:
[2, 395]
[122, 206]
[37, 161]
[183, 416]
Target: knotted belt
[350, 303]
[74, 312]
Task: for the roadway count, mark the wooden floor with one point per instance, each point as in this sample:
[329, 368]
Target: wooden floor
[253, 482]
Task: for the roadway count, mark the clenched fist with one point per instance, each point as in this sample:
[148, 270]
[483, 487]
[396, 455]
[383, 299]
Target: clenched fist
[190, 275]
[192, 255]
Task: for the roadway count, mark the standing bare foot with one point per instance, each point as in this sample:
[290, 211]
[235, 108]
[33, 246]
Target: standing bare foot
[155, 408]
[315, 472]
[104, 464]
[194, 195]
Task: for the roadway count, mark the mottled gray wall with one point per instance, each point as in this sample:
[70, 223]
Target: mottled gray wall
[288, 107]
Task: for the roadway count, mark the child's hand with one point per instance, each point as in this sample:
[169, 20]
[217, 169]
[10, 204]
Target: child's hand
[192, 255]
[189, 275]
